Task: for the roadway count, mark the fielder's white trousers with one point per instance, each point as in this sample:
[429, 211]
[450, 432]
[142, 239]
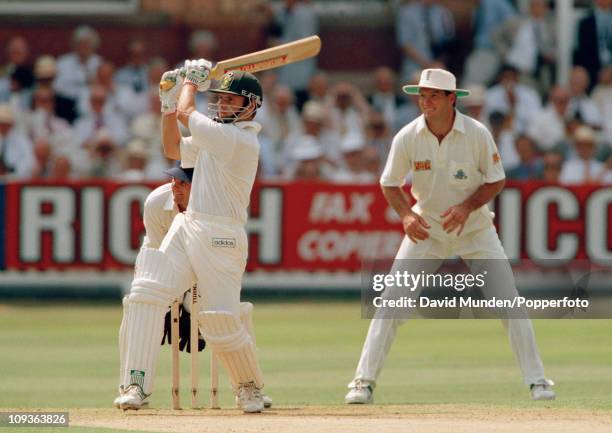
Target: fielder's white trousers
[483, 244]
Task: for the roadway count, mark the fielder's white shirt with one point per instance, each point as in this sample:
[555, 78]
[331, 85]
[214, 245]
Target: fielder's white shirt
[159, 211]
[444, 174]
[227, 157]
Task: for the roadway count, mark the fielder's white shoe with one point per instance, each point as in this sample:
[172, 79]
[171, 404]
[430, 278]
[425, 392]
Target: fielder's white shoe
[360, 393]
[132, 398]
[266, 400]
[542, 391]
[250, 399]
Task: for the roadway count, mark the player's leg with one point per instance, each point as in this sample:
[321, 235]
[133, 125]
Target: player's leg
[220, 275]
[246, 317]
[484, 253]
[411, 258]
[158, 274]
[122, 347]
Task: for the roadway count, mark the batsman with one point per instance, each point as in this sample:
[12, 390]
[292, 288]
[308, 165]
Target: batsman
[207, 244]
[456, 170]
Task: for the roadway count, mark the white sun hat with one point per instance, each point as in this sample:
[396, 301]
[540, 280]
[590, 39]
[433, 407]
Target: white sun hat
[436, 79]
[352, 143]
[307, 149]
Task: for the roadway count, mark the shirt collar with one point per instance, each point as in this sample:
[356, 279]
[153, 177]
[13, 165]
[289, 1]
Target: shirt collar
[249, 124]
[458, 124]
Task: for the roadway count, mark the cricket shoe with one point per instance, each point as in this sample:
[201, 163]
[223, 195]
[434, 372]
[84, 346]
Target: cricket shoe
[132, 398]
[250, 399]
[542, 391]
[267, 400]
[360, 393]
[116, 401]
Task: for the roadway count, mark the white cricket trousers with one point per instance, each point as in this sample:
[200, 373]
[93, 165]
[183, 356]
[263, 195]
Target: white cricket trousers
[211, 251]
[483, 244]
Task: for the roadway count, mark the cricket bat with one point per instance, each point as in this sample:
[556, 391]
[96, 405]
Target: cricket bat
[274, 57]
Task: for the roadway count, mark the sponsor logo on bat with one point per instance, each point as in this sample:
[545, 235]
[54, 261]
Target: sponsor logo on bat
[266, 63]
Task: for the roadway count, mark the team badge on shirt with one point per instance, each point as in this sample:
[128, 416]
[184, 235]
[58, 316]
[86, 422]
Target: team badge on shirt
[422, 165]
[460, 175]
[496, 158]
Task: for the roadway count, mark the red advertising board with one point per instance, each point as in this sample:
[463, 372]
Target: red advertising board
[292, 227]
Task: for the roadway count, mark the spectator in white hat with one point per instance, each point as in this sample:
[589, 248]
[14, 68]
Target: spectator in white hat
[308, 162]
[43, 124]
[353, 170]
[315, 123]
[348, 109]
[135, 161]
[583, 168]
[45, 70]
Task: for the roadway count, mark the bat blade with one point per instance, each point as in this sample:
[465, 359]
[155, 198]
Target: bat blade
[269, 58]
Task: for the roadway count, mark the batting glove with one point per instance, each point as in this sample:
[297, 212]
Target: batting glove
[169, 96]
[197, 72]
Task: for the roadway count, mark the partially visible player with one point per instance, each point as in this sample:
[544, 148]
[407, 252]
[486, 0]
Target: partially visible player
[456, 171]
[207, 244]
[160, 208]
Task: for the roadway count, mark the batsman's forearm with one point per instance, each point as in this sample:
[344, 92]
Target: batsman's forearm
[171, 136]
[484, 194]
[398, 200]
[186, 103]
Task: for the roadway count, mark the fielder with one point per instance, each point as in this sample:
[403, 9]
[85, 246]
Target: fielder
[456, 171]
[160, 208]
[207, 244]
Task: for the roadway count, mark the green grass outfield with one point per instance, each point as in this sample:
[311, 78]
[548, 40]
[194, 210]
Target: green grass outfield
[66, 357]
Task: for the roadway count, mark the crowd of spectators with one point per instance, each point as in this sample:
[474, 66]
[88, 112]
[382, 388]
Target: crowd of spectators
[81, 116]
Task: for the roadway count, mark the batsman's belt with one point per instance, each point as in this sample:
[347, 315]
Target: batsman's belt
[214, 218]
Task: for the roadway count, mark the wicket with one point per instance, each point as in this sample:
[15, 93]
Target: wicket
[214, 372]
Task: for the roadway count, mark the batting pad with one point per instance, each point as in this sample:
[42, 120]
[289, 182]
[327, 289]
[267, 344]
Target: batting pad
[232, 344]
[145, 328]
[246, 317]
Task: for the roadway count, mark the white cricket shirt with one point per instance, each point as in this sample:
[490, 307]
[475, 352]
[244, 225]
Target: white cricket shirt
[227, 157]
[444, 174]
[159, 211]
